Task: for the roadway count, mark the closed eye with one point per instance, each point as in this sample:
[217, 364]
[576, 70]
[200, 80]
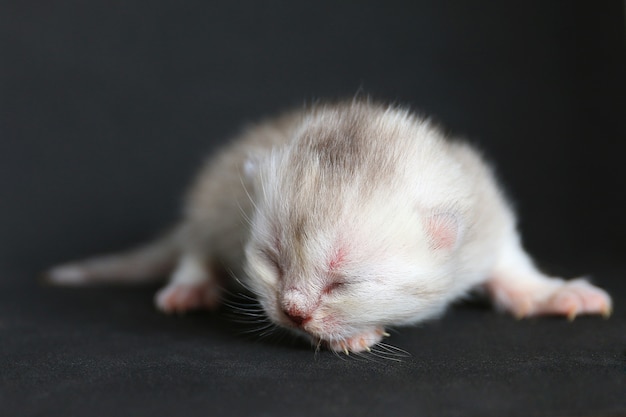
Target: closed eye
[272, 259]
[333, 287]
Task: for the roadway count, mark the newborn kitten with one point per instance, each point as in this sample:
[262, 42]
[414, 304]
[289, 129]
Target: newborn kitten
[345, 219]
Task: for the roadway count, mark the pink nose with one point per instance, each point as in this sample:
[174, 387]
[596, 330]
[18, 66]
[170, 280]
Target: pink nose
[295, 316]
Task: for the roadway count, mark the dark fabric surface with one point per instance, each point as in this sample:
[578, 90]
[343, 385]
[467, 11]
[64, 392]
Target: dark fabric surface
[108, 108]
[103, 352]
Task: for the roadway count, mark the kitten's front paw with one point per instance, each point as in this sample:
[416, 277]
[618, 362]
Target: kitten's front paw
[360, 342]
[575, 298]
[567, 298]
[179, 298]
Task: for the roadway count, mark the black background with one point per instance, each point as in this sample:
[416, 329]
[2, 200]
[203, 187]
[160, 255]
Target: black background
[109, 107]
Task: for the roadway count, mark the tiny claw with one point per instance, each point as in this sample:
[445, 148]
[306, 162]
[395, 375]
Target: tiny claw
[571, 315]
[346, 351]
[606, 312]
[385, 334]
[522, 313]
[364, 345]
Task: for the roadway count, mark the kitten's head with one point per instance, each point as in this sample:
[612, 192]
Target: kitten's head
[337, 248]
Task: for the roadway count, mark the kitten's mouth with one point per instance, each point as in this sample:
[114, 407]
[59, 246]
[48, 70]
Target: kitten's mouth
[309, 330]
[329, 334]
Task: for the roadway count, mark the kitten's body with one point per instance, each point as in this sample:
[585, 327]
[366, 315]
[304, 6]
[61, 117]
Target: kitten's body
[347, 218]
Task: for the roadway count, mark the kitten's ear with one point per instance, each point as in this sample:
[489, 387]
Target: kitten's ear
[252, 163]
[444, 231]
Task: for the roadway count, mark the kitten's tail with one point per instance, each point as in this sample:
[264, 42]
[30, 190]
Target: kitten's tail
[140, 265]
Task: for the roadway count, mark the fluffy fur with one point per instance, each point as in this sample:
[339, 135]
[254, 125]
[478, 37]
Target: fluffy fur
[347, 218]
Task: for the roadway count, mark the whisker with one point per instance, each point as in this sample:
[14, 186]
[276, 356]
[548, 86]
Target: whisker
[384, 355]
[250, 321]
[243, 285]
[236, 300]
[389, 355]
[279, 333]
[245, 308]
[317, 349]
[372, 357]
[260, 329]
[337, 354]
[247, 313]
[393, 350]
[249, 316]
[362, 357]
[247, 297]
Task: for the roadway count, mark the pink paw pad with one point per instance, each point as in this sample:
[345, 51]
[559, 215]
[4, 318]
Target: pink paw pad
[358, 343]
[179, 298]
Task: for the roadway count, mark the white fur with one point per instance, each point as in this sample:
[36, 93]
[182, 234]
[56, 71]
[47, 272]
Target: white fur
[352, 217]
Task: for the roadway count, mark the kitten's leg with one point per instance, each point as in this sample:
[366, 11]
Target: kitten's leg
[517, 286]
[193, 286]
